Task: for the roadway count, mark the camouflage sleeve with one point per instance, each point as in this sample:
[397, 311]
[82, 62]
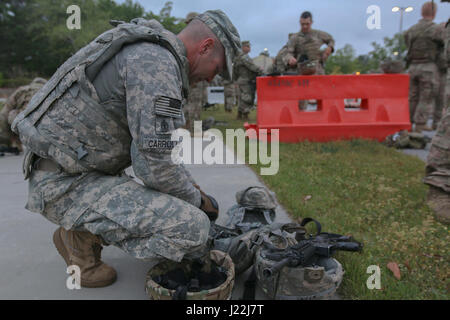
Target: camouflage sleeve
[327, 39]
[406, 38]
[153, 94]
[290, 50]
[247, 62]
[439, 34]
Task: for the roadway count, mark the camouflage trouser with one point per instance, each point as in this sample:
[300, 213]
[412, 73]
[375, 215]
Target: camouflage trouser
[229, 96]
[438, 161]
[422, 91]
[441, 98]
[143, 222]
[246, 98]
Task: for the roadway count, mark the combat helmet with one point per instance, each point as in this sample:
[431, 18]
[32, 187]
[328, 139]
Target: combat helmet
[191, 279]
[255, 207]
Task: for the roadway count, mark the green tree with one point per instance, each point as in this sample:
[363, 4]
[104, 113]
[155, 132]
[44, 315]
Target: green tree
[38, 38]
[172, 24]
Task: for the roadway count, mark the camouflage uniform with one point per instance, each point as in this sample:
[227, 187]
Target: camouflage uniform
[229, 91]
[308, 45]
[441, 98]
[437, 174]
[196, 100]
[246, 72]
[15, 104]
[94, 120]
[423, 41]
[264, 61]
[279, 65]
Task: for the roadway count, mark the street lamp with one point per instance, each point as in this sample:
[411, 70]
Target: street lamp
[402, 9]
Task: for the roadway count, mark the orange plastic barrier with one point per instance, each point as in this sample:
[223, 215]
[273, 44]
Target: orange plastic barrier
[383, 110]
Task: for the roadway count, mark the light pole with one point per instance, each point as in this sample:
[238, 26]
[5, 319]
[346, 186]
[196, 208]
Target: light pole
[402, 9]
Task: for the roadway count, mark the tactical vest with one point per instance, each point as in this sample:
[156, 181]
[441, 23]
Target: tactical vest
[65, 121]
[309, 47]
[422, 47]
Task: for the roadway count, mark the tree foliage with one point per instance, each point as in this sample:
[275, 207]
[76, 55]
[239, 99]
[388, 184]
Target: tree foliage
[38, 40]
[345, 61]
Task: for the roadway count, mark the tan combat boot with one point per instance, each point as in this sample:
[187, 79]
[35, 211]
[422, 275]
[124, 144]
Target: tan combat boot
[84, 250]
[439, 201]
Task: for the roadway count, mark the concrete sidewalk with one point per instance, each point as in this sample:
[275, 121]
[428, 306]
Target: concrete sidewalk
[31, 267]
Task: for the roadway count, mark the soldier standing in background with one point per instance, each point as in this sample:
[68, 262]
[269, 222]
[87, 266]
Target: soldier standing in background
[14, 105]
[246, 72]
[423, 41]
[303, 48]
[441, 98]
[197, 94]
[229, 92]
[264, 61]
[437, 172]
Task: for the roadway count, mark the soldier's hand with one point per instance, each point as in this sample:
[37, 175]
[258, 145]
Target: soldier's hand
[208, 205]
[326, 53]
[292, 62]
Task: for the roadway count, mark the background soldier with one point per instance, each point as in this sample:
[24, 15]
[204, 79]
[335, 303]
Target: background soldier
[437, 174]
[197, 95]
[303, 49]
[246, 72]
[441, 98]
[95, 118]
[423, 41]
[264, 61]
[229, 91]
[14, 105]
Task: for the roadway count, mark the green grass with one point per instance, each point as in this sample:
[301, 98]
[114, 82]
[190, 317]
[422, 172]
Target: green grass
[375, 193]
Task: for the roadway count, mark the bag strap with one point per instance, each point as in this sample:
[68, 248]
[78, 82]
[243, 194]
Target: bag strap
[305, 221]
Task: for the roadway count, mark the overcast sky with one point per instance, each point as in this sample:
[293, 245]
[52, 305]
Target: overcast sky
[267, 23]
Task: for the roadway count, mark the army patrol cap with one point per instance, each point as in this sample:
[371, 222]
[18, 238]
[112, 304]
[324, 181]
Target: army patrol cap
[256, 198]
[245, 43]
[226, 32]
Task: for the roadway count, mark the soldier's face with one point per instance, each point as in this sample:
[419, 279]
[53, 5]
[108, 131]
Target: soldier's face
[246, 49]
[305, 24]
[209, 62]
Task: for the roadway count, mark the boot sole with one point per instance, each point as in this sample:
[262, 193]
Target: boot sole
[59, 244]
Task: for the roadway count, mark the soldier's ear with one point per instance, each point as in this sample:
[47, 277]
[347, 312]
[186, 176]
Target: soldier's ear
[207, 46]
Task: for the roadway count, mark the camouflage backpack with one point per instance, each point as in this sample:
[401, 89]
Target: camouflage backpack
[255, 207]
[292, 265]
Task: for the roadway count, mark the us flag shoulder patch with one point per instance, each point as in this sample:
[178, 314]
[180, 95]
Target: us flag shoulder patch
[169, 107]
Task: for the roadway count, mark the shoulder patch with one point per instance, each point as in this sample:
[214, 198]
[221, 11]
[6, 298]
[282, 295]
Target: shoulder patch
[169, 107]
